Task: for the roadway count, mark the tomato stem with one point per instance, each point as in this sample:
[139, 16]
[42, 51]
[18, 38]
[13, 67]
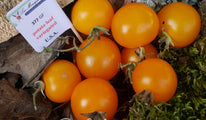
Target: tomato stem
[140, 52]
[95, 32]
[38, 86]
[129, 69]
[48, 49]
[165, 38]
[80, 49]
[145, 96]
[127, 65]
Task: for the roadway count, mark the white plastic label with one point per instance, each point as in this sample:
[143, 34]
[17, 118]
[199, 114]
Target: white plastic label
[39, 21]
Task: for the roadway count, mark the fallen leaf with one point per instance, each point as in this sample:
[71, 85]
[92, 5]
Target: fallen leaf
[17, 103]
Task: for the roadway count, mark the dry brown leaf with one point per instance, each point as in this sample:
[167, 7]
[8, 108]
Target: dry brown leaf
[17, 56]
[17, 103]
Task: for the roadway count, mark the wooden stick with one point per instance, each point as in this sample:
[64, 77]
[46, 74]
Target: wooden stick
[77, 34]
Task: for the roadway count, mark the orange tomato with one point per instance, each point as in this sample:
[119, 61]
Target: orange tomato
[156, 76]
[86, 14]
[94, 94]
[100, 59]
[128, 54]
[181, 21]
[60, 79]
[135, 25]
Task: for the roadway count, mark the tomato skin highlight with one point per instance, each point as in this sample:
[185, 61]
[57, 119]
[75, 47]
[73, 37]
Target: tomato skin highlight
[135, 25]
[181, 21]
[86, 14]
[60, 79]
[100, 59]
[128, 54]
[94, 94]
[156, 76]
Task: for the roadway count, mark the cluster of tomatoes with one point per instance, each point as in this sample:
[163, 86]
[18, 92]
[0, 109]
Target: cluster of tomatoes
[134, 25]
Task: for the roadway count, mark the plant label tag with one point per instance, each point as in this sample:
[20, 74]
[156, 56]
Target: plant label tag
[39, 21]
